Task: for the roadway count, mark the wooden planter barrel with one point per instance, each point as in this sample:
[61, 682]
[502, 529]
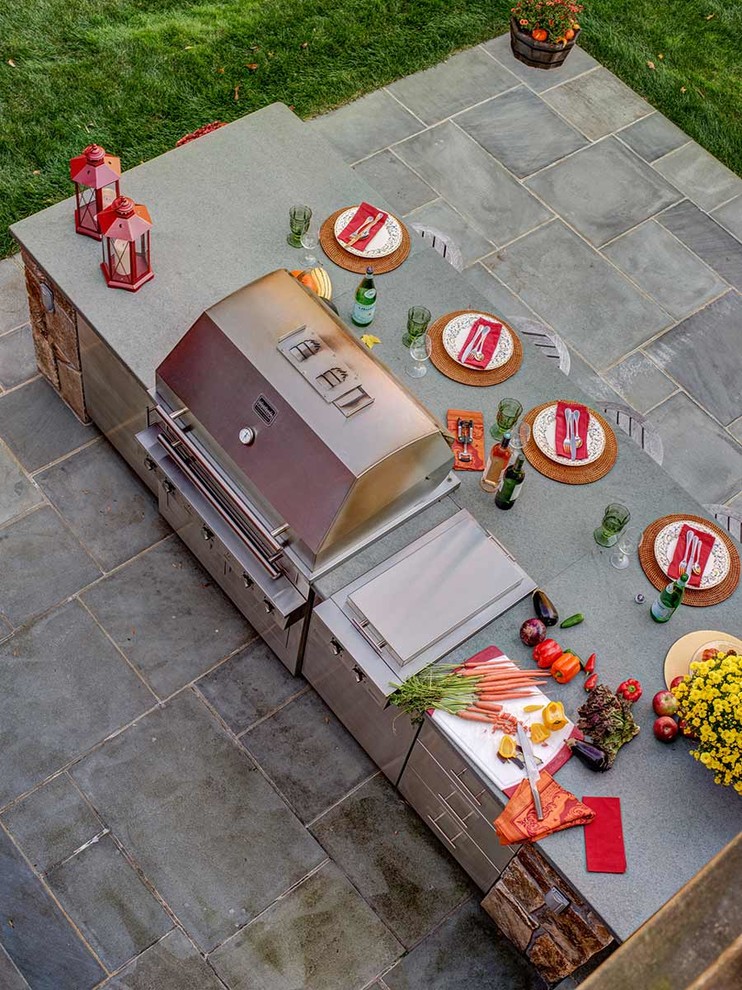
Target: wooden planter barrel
[538, 54]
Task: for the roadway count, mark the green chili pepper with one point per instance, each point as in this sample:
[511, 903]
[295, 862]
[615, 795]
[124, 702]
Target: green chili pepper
[572, 620]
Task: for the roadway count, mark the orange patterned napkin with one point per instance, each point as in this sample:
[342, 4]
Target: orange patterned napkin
[475, 448]
[518, 821]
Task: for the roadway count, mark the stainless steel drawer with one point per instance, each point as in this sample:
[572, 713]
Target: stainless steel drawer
[460, 802]
[384, 732]
[449, 828]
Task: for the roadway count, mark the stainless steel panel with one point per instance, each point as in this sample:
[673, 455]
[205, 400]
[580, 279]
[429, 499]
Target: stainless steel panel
[386, 733]
[115, 400]
[450, 829]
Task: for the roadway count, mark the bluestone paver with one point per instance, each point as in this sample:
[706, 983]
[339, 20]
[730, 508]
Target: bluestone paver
[640, 382]
[665, 268]
[63, 688]
[172, 964]
[366, 125]
[393, 860]
[168, 616]
[490, 199]
[104, 502]
[730, 216]
[540, 80]
[108, 902]
[249, 686]
[13, 300]
[588, 301]
[36, 935]
[38, 427]
[597, 103]
[504, 302]
[653, 136]
[404, 190]
[18, 492]
[453, 85]
[17, 357]
[704, 236]
[603, 190]
[10, 978]
[439, 216]
[735, 429]
[592, 383]
[699, 175]
[209, 831]
[309, 755]
[323, 935]
[704, 355]
[43, 563]
[52, 823]
[699, 454]
[466, 951]
[499, 126]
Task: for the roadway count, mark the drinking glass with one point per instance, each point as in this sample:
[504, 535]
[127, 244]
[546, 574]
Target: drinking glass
[299, 220]
[625, 546]
[420, 350]
[508, 414]
[309, 241]
[418, 318]
[520, 437]
[615, 518]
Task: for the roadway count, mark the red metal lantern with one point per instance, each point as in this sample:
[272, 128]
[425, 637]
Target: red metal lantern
[96, 176]
[125, 227]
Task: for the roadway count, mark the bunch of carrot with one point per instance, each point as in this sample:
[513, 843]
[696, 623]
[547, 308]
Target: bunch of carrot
[495, 681]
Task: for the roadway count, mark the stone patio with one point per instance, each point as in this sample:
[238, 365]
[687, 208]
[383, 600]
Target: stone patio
[176, 811]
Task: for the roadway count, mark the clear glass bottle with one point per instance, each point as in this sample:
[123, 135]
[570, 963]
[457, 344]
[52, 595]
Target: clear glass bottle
[668, 601]
[364, 308]
[497, 462]
[511, 483]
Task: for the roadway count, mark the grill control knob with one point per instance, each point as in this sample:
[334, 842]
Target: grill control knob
[206, 533]
[336, 647]
[168, 486]
[268, 606]
[247, 435]
[247, 580]
[359, 675]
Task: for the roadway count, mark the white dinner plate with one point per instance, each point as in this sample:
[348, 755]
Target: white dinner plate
[717, 566]
[457, 330]
[385, 241]
[544, 436]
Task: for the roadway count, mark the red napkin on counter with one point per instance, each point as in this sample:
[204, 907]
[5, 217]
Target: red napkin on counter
[604, 848]
[707, 543]
[476, 447]
[561, 428]
[364, 212]
[488, 348]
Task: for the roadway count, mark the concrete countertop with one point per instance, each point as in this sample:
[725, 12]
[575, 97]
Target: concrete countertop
[219, 207]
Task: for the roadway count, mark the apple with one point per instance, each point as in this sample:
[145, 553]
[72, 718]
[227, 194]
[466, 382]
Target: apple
[664, 703]
[676, 680]
[665, 728]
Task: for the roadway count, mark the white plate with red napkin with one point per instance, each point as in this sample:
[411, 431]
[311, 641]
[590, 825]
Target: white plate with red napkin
[382, 231]
[477, 340]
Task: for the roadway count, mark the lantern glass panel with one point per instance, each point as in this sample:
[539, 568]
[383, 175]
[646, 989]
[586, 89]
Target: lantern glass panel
[142, 255]
[120, 259]
[108, 194]
[87, 207]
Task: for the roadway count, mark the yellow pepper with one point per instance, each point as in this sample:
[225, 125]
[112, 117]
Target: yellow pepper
[554, 717]
[539, 732]
[507, 747]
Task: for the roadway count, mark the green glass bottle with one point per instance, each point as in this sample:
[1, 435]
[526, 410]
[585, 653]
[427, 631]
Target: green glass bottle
[668, 601]
[510, 484]
[364, 307]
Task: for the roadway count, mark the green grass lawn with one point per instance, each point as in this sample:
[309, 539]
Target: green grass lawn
[134, 75]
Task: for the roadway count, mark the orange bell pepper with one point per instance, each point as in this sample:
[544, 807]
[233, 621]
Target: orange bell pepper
[566, 667]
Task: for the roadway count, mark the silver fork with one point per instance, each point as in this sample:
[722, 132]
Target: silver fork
[478, 354]
[695, 564]
[689, 544]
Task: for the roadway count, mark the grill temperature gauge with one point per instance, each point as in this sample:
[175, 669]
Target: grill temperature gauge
[247, 435]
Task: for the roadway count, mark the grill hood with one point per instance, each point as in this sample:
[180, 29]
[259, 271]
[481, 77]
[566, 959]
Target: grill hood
[300, 416]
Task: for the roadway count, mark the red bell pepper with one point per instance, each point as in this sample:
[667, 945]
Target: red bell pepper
[546, 653]
[565, 667]
[630, 690]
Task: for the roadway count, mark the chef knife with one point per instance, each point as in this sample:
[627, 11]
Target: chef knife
[531, 770]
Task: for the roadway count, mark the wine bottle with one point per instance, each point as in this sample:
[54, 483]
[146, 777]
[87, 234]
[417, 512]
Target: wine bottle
[511, 483]
[364, 307]
[668, 601]
[498, 460]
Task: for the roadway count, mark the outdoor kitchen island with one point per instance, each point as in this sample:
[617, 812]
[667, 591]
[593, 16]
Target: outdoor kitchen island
[219, 207]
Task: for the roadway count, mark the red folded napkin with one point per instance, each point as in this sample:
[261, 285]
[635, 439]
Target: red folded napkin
[490, 343]
[707, 543]
[604, 848]
[518, 821]
[364, 212]
[561, 428]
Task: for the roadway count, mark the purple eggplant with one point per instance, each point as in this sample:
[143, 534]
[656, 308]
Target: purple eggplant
[591, 756]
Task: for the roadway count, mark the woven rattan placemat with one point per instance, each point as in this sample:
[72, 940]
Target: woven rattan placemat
[470, 376]
[692, 596]
[562, 472]
[351, 262]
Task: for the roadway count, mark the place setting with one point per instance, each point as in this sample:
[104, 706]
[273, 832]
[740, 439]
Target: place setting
[475, 348]
[570, 442]
[362, 235]
[678, 544]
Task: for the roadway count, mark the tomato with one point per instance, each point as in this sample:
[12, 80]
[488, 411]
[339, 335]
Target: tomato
[539, 34]
[569, 34]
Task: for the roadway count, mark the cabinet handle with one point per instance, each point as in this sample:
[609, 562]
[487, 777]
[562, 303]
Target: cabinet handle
[247, 580]
[448, 838]
[168, 486]
[336, 647]
[469, 791]
[462, 819]
[268, 606]
[149, 464]
[206, 533]
[359, 674]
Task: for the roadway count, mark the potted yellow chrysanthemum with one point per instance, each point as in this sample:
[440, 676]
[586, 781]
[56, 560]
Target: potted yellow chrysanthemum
[710, 709]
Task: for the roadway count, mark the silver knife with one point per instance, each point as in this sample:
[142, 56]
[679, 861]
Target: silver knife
[571, 434]
[531, 769]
